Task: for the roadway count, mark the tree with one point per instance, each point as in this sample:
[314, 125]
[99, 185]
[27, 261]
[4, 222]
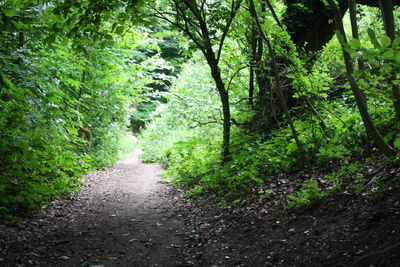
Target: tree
[272, 56]
[358, 94]
[388, 20]
[62, 108]
[201, 22]
[309, 21]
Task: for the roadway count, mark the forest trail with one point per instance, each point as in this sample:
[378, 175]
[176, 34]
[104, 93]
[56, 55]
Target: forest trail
[122, 217]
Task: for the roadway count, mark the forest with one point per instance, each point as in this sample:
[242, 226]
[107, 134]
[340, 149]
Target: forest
[292, 104]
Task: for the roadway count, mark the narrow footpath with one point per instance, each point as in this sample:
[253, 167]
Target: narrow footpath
[122, 217]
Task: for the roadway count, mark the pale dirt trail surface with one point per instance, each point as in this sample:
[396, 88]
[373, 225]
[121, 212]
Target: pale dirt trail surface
[123, 217]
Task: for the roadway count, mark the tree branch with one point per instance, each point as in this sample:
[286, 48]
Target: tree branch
[234, 9]
[233, 76]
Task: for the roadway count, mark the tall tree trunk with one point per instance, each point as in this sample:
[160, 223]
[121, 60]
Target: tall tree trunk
[388, 20]
[271, 8]
[251, 86]
[276, 76]
[205, 45]
[358, 94]
[386, 7]
[224, 97]
[253, 59]
[354, 27]
[261, 75]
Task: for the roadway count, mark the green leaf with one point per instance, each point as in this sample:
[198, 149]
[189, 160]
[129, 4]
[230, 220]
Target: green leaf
[397, 56]
[9, 12]
[397, 143]
[372, 36]
[396, 42]
[355, 44]
[19, 24]
[50, 39]
[109, 37]
[389, 54]
[353, 53]
[363, 84]
[385, 41]
[258, 180]
[119, 30]
[340, 38]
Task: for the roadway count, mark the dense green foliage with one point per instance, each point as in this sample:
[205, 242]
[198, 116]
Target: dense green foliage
[185, 134]
[63, 110]
[186, 131]
[220, 92]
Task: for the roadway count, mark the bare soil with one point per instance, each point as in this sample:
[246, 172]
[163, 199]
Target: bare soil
[125, 217]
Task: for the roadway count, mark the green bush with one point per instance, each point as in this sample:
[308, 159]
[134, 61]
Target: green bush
[62, 111]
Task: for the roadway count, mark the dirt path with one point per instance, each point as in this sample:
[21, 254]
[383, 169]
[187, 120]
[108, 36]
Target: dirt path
[123, 217]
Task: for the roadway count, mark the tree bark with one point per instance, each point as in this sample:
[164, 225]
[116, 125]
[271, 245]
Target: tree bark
[253, 59]
[276, 76]
[354, 27]
[203, 42]
[251, 86]
[388, 20]
[224, 97]
[386, 7]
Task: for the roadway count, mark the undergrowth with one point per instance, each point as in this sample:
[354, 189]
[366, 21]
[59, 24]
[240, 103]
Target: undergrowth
[185, 135]
[55, 175]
